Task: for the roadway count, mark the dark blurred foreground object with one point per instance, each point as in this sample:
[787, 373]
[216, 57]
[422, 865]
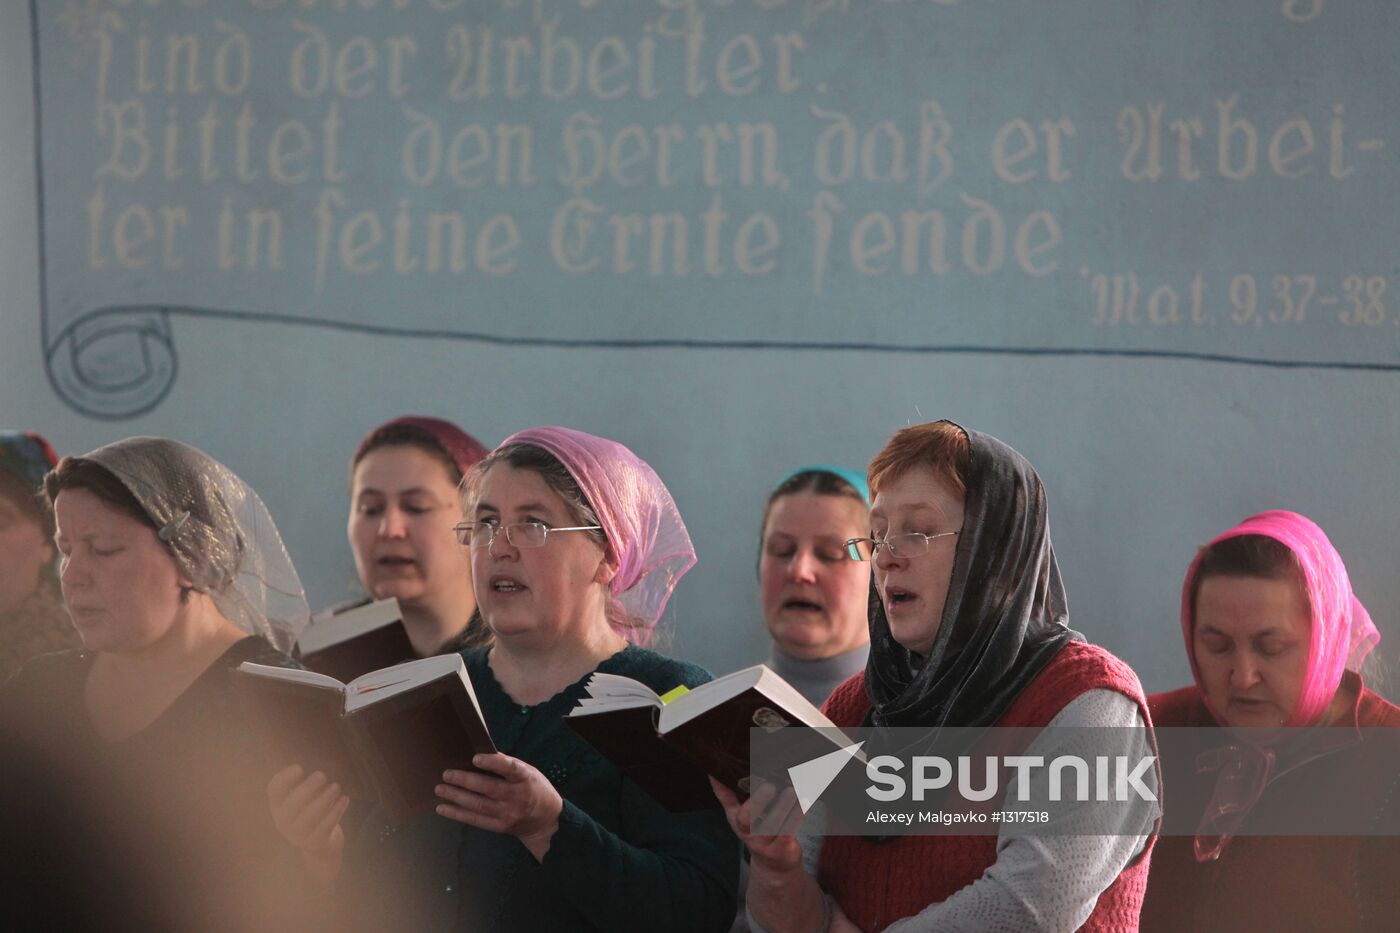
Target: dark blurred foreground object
[70, 861]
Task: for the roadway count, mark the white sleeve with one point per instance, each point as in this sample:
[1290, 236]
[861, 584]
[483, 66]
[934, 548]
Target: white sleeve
[1048, 882]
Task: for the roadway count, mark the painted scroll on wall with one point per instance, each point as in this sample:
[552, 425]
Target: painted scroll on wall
[1194, 179]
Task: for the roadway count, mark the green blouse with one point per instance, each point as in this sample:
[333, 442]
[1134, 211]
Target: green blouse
[619, 860]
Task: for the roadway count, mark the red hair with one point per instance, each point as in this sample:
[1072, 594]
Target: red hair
[940, 446]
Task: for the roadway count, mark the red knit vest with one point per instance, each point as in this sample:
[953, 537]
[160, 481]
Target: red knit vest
[1269, 883]
[877, 883]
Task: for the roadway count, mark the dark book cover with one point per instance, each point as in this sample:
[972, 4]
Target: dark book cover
[410, 739]
[671, 748]
[371, 651]
[719, 740]
[628, 739]
[303, 725]
[405, 726]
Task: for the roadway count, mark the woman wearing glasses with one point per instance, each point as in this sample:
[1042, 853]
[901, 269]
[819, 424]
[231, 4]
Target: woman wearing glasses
[968, 627]
[575, 547]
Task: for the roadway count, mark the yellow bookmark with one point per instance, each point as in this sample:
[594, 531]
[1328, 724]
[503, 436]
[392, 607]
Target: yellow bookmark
[674, 694]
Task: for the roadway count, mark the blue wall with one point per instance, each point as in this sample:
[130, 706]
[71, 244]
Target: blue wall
[1154, 250]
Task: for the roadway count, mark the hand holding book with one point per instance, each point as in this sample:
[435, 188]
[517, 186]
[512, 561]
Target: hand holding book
[506, 795]
[668, 744]
[307, 809]
[779, 851]
[779, 889]
[387, 736]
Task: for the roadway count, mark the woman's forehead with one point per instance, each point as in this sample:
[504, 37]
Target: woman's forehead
[391, 469]
[505, 488]
[1251, 605]
[914, 491]
[808, 511]
[79, 510]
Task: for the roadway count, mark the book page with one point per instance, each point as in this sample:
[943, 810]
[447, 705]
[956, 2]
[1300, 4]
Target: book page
[718, 692]
[401, 678]
[291, 675]
[708, 696]
[612, 692]
[787, 696]
[334, 629]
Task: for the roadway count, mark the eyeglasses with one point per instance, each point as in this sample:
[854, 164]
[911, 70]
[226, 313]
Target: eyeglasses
[520, 534]
[908, 545]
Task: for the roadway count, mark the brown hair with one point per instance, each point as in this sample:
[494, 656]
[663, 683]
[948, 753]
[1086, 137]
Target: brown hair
[941, 446]
[398, 434]
[1247, 556]
[78, 473]
[818, 483]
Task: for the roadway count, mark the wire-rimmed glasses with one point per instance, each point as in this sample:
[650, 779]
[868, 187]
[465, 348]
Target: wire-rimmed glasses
[519, 534]
[906, 545]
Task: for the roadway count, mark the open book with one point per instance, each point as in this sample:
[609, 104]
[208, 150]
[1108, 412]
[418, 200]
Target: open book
[387, 735]
[668, 744]
[345, 642]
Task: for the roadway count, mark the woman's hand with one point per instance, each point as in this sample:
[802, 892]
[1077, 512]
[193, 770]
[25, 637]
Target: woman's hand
[513, 797]
[777, 852]
[781, 895]
[306, 810]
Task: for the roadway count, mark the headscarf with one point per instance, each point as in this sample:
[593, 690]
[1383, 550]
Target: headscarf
[26, 456]
[638, 515]
[1340, 637]
[218, 530]
[1341, 634]
[464, 449]
[1005, 615]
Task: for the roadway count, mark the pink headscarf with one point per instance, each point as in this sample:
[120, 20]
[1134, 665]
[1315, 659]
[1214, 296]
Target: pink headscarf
[638, 515]
[1342, 633]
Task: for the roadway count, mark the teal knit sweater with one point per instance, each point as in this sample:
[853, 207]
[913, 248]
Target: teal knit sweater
[619, 861]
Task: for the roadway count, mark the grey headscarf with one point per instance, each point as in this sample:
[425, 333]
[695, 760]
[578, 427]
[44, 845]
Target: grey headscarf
[218, 530]
[1005, 615]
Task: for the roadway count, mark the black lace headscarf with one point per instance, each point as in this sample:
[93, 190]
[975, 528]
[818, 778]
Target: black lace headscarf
[1003, 620]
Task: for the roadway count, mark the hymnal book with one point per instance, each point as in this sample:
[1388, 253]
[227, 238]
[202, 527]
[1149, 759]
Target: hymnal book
[346, 642]
[668, 744]
[387, 735]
